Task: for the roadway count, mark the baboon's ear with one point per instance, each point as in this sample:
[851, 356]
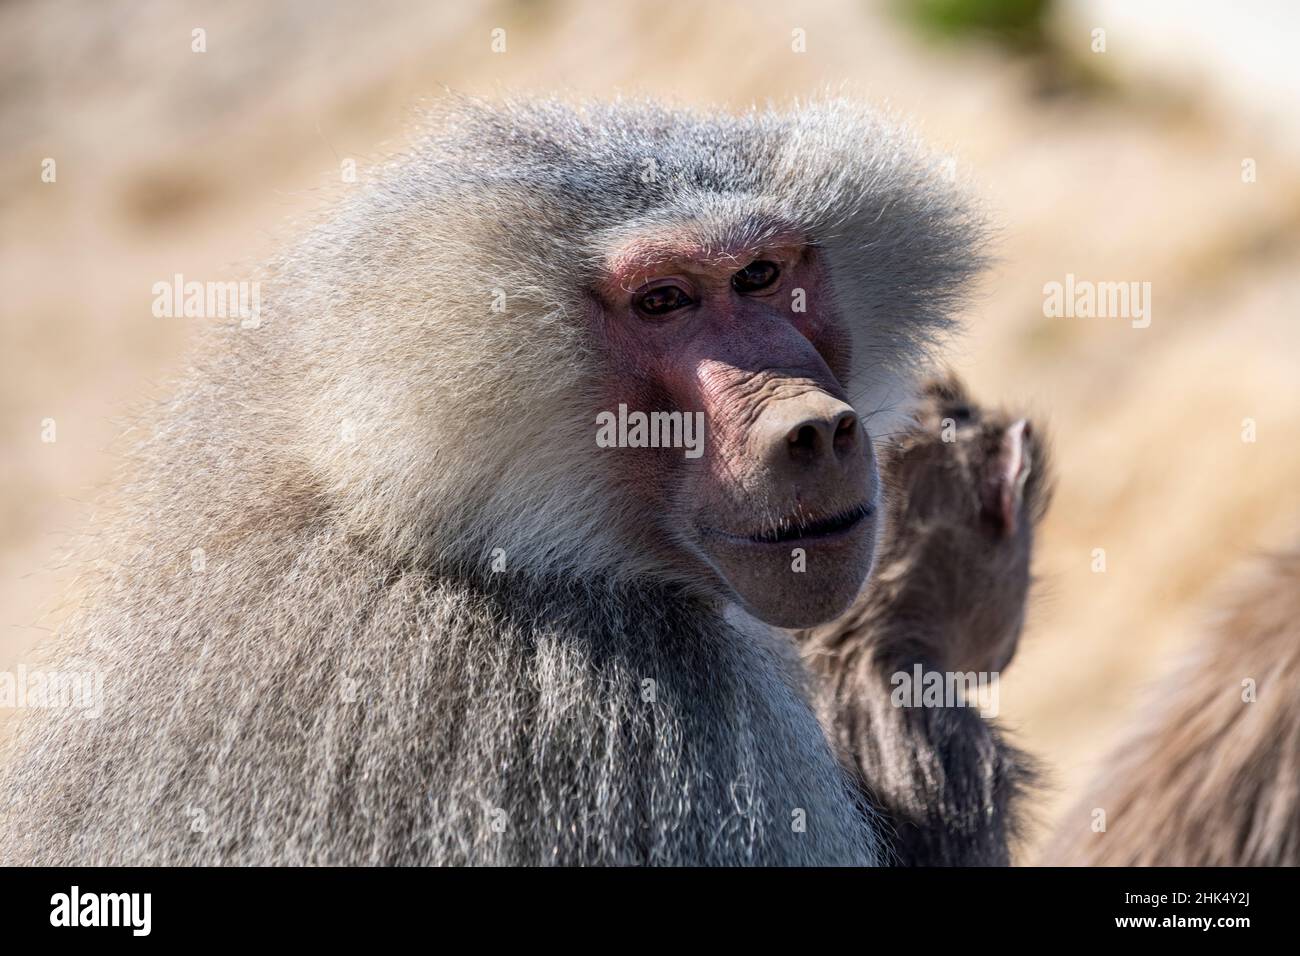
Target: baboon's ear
[944, 396]
[945, 388]
[1003, 482]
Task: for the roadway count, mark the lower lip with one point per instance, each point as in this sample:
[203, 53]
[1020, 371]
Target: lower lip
[830, 537]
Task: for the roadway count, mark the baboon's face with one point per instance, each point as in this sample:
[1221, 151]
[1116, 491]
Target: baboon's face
[778, 508]
[963, 465]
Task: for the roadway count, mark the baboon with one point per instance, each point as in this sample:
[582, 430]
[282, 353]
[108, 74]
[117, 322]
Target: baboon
[966, 487]
[1212, 776]
[378, 595]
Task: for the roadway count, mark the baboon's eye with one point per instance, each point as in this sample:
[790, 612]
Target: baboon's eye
[661, 300]
[755, 277]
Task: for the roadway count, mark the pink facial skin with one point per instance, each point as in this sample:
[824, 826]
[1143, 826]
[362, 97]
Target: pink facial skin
[779, 513]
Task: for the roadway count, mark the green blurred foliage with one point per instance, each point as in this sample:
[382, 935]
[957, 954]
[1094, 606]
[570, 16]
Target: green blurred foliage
[1017, 23]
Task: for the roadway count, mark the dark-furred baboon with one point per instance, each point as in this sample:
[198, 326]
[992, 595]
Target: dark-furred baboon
[966, 487]
[1212, 776]
[381, 593]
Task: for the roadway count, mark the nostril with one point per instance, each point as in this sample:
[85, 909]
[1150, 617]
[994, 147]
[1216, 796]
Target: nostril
[812, 431]
[805, 442]
[846, 432]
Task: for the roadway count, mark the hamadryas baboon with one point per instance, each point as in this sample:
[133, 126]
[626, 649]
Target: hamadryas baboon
[434, 620]
[966, 487]
[1210, 776]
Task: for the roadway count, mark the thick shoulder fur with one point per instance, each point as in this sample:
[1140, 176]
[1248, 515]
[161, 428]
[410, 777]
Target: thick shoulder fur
[348, 712]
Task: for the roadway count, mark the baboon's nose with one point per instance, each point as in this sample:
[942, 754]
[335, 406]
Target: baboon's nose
[810, 432]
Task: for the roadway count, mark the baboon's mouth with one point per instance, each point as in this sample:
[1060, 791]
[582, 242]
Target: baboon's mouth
[798, 528]
[803, 527]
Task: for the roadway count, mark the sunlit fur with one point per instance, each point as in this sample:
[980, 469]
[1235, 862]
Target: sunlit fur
[422, 608]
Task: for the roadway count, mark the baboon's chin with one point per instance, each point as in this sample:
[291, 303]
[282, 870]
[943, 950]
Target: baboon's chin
[797, 583]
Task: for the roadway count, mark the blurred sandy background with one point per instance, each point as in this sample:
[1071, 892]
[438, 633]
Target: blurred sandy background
[1117, 166]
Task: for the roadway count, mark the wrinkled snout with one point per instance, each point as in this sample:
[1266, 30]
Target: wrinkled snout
[813, 456]
[808, 435]
[796, 538]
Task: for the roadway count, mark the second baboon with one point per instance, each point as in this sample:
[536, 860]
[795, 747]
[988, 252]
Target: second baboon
[1211, 777]
[427, 566]
[966, 488]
